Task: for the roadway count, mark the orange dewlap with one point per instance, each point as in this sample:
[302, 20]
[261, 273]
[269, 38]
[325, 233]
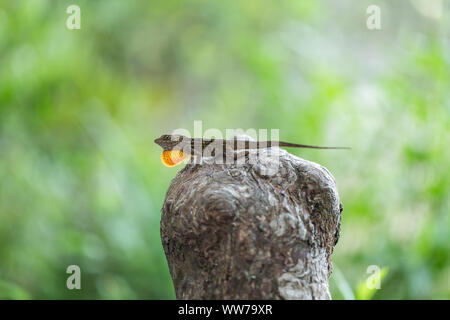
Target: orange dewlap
[172, 158]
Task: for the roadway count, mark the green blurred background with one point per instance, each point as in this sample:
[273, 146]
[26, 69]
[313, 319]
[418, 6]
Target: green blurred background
[81, 180]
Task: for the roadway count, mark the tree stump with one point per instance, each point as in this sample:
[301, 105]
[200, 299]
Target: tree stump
[247, 231]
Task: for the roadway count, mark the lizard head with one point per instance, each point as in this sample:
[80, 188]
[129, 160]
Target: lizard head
[173, 141]
[169, 141]
[172, 148]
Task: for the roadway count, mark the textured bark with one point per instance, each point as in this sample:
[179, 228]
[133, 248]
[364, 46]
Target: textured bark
[240, 231]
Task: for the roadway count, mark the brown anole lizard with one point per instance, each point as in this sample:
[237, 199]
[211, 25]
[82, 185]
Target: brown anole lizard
[176, 148]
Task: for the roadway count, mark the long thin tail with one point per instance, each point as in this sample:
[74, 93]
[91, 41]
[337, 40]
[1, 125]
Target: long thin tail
[294, 145]
[250, 144]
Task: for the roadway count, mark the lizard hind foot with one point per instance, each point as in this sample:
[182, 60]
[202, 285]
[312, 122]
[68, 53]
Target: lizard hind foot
[171, 158]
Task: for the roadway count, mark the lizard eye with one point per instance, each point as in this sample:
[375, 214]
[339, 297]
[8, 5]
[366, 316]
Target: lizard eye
[171, 158]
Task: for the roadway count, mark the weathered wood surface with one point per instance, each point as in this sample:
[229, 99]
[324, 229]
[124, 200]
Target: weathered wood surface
[256, 230]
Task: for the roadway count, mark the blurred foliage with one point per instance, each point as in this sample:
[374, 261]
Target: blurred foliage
[366, 292]
[81, 180]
